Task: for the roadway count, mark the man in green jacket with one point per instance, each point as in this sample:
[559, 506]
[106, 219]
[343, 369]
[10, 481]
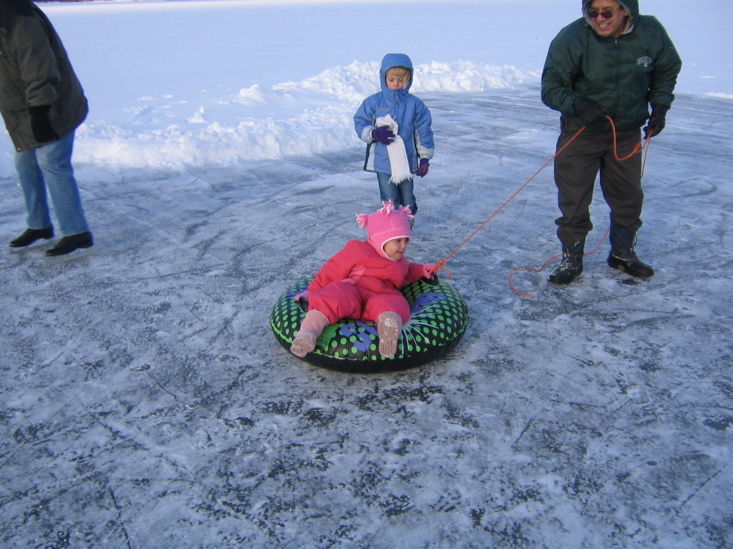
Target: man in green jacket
[612, 62]
[42, 103]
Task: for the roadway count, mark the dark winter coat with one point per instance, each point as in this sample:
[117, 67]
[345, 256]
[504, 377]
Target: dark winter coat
[411, 114]
[35, 71]
[623, 74]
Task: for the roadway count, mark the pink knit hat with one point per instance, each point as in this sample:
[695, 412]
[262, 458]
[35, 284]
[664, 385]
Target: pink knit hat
[386, 224]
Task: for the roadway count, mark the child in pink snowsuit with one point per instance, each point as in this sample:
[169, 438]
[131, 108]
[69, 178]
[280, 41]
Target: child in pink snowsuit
[363, 282]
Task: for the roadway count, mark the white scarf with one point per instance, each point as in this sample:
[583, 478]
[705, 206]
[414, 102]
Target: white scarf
[396, 150]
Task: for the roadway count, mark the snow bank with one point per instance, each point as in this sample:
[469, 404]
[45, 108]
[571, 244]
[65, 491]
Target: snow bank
[291, 118]
[288, 119]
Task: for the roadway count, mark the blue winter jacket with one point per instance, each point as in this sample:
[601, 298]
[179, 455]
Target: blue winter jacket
[412, 117]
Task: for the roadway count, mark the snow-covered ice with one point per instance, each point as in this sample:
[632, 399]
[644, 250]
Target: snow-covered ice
[146, 403]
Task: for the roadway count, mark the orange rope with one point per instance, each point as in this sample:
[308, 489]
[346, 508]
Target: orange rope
[637, 149]
[647, 142]
[511, 274]
[441, 262]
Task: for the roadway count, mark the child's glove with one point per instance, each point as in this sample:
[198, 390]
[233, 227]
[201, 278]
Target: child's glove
[383, 134]
[422, 171]
[656, 120]
[302, 296]
[431, 278]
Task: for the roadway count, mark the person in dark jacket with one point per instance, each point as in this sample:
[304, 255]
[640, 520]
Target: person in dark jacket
[42, 103]
[612, 62]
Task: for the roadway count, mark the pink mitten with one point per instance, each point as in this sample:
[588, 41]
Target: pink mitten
[430, 277]
[302, 295]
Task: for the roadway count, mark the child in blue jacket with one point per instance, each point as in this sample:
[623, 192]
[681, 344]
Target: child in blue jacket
[396, 128]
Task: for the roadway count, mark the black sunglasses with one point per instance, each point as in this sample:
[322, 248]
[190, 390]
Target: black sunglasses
[606, 14]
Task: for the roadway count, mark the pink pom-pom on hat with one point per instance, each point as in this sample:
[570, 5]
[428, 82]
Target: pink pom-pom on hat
[386, 224]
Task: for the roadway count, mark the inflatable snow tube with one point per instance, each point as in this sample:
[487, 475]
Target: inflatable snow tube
[438, 320]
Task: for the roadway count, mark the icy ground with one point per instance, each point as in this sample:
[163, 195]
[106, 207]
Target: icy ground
[146, 403]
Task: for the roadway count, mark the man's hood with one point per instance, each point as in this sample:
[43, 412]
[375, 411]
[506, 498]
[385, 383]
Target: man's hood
[631, 6]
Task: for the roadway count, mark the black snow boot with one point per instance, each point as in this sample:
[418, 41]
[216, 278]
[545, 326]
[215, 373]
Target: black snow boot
[627, 260]
[571, 266]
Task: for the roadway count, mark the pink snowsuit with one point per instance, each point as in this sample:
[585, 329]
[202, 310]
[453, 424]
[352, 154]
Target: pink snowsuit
[358, 283]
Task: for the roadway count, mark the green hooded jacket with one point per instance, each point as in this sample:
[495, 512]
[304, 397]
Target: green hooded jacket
[623, 74]
[35, 71]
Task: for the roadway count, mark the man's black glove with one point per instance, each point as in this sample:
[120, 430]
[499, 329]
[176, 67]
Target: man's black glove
[589, 111]
[41, 124]
[657, 120]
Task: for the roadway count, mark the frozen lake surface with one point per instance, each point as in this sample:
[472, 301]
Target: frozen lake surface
[146, 403]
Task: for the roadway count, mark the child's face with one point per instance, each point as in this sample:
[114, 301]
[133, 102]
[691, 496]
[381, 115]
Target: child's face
[396, 247]
[395, 81]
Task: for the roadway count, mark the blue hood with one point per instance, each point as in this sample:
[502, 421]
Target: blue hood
[394, 60]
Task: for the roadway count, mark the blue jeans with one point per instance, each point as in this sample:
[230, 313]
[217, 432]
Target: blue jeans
[401, 195]
[50, 165]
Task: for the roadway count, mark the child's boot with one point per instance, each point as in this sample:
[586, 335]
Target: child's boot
[313, 324]
[389, 327]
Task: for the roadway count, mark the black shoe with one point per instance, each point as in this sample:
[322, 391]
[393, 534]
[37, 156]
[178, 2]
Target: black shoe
[627, 260]
[571, 266]
[30, 236]
[70, 243]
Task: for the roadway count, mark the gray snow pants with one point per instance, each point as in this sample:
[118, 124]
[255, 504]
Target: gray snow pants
[576, 169]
